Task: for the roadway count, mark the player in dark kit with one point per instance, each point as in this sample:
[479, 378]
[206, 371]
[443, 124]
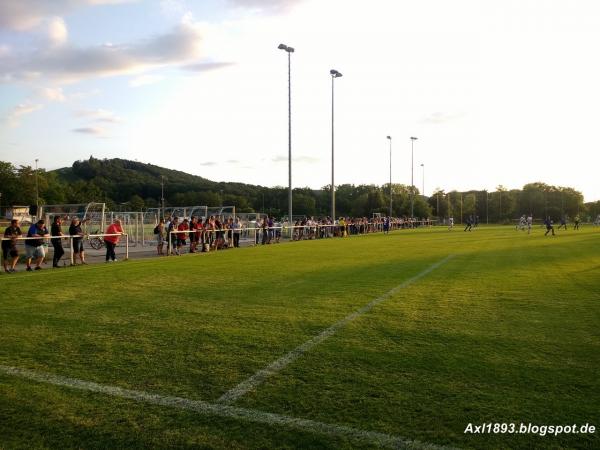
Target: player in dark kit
[469, 223]
[549, 226]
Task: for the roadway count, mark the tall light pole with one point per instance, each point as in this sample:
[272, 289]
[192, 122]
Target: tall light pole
[423, 191]
[37, 191]
[390, 139]
[289, 51]
[162, 195]
[412, 180]
[334, 74]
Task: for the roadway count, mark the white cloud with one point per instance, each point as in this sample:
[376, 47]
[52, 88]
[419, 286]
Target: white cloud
[13, 118]
[144, 80]
[5, 50]
[440, 117]
[173, 8]
[22, 15]
[52, 94]
[68, 63]
[57, 31]
[269, 6]
[206, 66]
[98, 115]
[96, 131]
[297, 159]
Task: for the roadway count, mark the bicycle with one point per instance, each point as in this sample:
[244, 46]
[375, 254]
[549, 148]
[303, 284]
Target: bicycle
[96, 242]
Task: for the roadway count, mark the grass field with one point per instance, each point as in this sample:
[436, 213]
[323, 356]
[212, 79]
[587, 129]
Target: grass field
[489, 326]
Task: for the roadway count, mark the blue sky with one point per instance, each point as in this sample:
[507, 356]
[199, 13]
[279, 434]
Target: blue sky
[497, 92]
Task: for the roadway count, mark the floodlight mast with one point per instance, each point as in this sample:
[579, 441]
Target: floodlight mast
[412, 180]
[289, 51]
[334, 74]
[390, 139]
[423, 191]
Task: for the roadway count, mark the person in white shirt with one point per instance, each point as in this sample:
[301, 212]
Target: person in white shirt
[450, 223]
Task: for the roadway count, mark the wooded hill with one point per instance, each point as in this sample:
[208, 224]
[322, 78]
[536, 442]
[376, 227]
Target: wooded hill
[133, 186]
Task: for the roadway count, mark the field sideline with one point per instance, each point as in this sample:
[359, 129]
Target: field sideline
[423, 332]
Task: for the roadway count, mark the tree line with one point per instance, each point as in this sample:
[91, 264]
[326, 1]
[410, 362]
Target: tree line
[133, 186]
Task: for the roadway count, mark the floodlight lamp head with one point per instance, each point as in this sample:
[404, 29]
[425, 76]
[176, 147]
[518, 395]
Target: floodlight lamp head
[389, 137]
[334, 73]
[290, 50]
[413, 138]
[282, 47]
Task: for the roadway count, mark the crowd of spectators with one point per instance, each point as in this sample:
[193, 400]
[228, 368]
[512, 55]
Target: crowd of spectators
[175, 235]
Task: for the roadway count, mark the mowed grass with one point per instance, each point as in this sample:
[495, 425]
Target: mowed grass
[507, 330]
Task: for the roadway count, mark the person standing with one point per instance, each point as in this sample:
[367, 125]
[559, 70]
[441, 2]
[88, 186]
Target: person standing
[529, 223]
[577, 219]
[115, 230]
[172, 237]
[160, 233]
[56, 230]
[77, 233]
[34, 248]
[181, 237]
[9, 246]
[450, 223]
[237, 229]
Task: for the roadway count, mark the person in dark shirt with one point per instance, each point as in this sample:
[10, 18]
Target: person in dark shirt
[75, 230]
[9, 246]
[549, 226]
[469, 223]
[56, 230]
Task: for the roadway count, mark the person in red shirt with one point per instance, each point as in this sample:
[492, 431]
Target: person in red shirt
[112, 241]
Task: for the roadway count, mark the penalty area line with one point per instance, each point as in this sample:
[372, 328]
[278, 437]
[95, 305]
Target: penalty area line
[276, 366]
[230, 412]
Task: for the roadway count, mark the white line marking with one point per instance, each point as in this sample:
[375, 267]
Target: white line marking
[259, 377]
[230, 412]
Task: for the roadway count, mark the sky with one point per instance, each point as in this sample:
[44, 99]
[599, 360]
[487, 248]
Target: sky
[498, 92]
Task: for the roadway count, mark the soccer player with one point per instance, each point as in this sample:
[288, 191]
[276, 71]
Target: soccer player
[450, 223]
[563, 222]
[469, 223]
[576, 220]
[529, 223]
[549, 226]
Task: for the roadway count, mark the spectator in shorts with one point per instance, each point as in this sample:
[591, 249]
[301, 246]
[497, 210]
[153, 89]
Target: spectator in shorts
[112, 241]
[75, 230]
[193, 226]
[34, 248]
[173, 224]
[160, 233]
[9, 246]
[576, 220]
[56, 230]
